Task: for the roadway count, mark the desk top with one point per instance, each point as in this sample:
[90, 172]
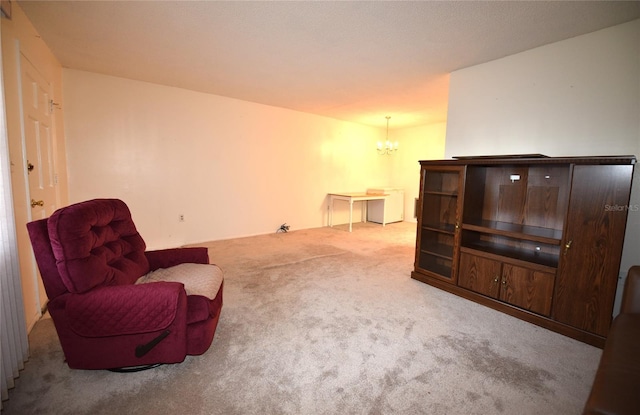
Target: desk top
[359, 195]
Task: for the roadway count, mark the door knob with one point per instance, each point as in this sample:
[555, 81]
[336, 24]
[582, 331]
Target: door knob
[35, 203]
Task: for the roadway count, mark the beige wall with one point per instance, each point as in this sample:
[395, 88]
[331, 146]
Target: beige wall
[19, 37]
[232, 168]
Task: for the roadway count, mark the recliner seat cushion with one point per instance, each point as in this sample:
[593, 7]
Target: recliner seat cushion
[198, 279]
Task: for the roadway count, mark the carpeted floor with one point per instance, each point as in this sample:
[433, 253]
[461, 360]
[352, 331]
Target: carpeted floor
[324, 321]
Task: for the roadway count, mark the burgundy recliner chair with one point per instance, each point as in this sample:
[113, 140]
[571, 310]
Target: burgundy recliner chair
[90, 257]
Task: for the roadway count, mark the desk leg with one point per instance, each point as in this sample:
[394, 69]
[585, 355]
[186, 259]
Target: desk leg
[330, 211]
[384, 205]
[350, 213]
[363, 211]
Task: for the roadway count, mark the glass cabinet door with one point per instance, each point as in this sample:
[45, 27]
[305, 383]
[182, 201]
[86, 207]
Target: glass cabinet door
[438, 222]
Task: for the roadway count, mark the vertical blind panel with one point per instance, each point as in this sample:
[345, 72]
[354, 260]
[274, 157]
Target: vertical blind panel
[14, 347]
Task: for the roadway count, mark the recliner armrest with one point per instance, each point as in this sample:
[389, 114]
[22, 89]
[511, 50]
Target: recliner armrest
[631, 293]
[166, 258]
[126, 309]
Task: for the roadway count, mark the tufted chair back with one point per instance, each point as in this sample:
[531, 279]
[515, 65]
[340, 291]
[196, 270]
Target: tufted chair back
[95, 243]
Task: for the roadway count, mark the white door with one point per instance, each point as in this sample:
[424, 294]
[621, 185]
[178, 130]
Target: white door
[38, 143]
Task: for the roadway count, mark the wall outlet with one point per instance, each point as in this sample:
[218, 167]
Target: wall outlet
[181, 218]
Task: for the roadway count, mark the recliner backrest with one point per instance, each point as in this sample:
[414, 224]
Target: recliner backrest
[96, 243]
[39, 235]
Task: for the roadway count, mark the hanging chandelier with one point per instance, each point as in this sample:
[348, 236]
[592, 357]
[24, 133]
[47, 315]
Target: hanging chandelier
[387, 147]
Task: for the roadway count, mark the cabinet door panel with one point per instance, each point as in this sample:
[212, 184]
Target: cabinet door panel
[479, 274]
[438, 223]
[527, 288]
[440, 212]
[589, 265]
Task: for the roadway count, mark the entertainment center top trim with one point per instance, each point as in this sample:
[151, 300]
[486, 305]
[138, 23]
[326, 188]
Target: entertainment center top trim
[513, 160]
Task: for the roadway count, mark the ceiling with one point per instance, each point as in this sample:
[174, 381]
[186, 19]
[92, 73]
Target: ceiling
[351, 60]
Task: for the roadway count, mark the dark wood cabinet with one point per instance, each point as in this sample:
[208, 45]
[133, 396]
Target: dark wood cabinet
[539, 238]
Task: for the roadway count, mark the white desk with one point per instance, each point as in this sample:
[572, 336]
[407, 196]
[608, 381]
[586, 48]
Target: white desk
[354, 197]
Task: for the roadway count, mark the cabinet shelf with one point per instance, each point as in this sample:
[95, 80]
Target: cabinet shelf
[440, 250]
[434, 264]
[526, 255]
[440, 193]
[440, 227]
[513, 230]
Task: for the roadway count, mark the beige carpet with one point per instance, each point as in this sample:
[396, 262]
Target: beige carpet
[324, 321]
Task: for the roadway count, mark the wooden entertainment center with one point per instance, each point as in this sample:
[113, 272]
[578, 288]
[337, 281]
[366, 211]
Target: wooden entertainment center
[539, 238]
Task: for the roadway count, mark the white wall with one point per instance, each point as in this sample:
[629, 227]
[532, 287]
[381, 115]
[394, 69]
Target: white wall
[577, 97]
[232, 168]
[416, 143]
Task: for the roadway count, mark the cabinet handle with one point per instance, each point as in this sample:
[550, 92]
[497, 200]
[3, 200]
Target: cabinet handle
[567, 246]
[457, 225]
[495, 280]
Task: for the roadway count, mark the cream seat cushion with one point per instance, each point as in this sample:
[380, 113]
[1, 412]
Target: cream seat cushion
[198, 279]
